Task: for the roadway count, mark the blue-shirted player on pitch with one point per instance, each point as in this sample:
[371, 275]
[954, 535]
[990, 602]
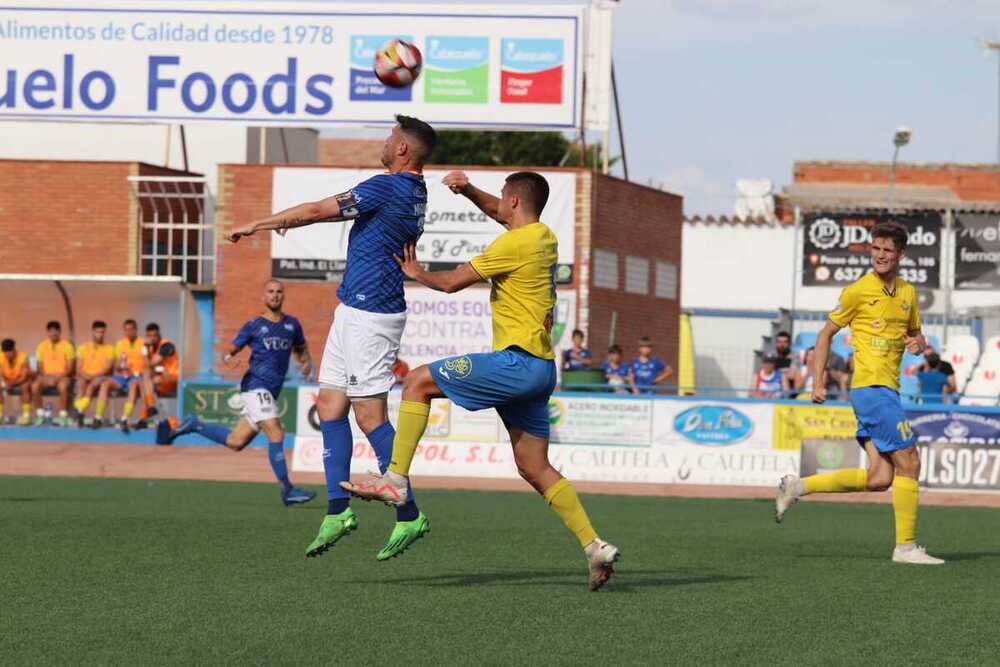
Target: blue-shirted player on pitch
[272, 337]
[356, 370]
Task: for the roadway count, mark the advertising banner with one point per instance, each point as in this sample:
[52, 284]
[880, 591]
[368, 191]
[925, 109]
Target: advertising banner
[977, 251]
[960, 466]
[794, 423]
[821, 455]
[713, 424]
[600, 421]
[455, 231]
[289, 63]
[972, 428]
[836, 247]
[218, 404]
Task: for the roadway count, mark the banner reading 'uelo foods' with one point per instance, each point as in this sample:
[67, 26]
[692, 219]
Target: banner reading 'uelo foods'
[293, 63]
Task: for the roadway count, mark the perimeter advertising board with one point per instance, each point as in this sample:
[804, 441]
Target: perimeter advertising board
[977, 251]
[290, 63]
[836, 247]
[455, 231]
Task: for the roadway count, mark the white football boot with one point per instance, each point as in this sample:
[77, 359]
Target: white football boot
[601, 557]
[914, 554]
[789, 492]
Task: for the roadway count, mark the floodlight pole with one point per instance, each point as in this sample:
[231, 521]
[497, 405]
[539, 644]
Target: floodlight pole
[618, 117]
[995, 47]
[899, 139]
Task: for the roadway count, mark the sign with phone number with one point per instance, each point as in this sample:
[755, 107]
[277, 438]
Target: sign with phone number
[836, 248]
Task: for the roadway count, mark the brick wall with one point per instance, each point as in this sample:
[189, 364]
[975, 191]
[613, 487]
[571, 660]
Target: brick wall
[631, 219]
[70, 217]
[244, 195]
[971, 182]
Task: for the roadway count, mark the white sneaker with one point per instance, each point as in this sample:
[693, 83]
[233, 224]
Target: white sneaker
[789, 492]
[601, 558]
[913, 554]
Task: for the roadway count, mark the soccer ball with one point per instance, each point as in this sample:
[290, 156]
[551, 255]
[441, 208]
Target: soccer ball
[397, 63]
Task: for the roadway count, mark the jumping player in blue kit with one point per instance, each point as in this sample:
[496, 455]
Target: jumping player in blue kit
[272, 337]
[387, 211]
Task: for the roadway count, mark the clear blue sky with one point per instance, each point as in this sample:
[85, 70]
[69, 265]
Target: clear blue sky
[715, 90]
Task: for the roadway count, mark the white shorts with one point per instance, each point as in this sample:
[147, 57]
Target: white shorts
[360, 351]
[258, 405]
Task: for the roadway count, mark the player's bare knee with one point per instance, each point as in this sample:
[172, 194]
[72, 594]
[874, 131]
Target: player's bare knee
[879, 483]
[419, 384]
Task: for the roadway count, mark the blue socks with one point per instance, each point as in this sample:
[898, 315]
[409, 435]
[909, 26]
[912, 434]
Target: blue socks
[381, 441]
[338, 444]
[276, 455]
[214, 432]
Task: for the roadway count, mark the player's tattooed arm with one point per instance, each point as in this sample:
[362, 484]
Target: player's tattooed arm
[337, 208]
[442, 281]
[458, 182]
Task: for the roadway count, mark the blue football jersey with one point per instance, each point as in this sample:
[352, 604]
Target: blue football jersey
[645, 372]
[390, 211]
[271, 346]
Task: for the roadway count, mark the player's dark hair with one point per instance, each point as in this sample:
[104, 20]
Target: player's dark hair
[130, 321]
[933, 359]
[615, 348]
[532, 187]
[644, 340]
[153, 326]
[422, 132]
[7, 345]
[53, 325]
[892, 230]
[99, 324]
[578, 332]
[783, 334]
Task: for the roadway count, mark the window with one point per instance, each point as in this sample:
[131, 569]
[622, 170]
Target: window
[176, 230]
[605, 269]
[636, 275]
[666, 280]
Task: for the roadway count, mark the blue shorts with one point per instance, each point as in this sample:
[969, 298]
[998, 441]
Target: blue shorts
[124, 381]
[514, 382]
[881, 419]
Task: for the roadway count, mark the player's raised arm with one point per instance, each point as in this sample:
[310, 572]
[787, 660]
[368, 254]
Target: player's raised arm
[337, 208]
[442, 281]
[458, 182]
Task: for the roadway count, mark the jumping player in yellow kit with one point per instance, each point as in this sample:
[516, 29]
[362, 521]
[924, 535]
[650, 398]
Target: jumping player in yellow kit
[518, 377]
[881, 309]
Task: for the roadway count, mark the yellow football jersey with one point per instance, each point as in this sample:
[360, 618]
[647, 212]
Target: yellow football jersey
[55, 359]
[878, 322]
[94, 358]
[522, 265]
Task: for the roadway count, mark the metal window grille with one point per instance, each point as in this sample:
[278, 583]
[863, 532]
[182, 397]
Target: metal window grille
[605, 268]
[176, 227]
[636, 275]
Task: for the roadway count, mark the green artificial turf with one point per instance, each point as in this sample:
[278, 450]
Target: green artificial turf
[151, 572]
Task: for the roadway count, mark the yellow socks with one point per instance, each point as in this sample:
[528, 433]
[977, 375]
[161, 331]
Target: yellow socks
[905, 497]
[81, 404]
[562, 498]
[127, 410]
[838, 481]
[25, 409]
[409, 430]
[99, 409]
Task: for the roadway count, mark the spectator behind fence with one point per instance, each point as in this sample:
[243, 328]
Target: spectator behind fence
[782, 353]
[15, 376]
[54, 357]
[768, 381]
[576, 357]
[647, 370]
[801, 378]
[937, 380]
[95, 361]
[615, 371]
[940, 366]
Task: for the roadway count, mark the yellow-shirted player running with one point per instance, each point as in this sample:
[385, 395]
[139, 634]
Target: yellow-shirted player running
[881, 310]
[518, 377]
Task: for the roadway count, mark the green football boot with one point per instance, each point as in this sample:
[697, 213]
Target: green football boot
[334, 527]
[404, 534]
